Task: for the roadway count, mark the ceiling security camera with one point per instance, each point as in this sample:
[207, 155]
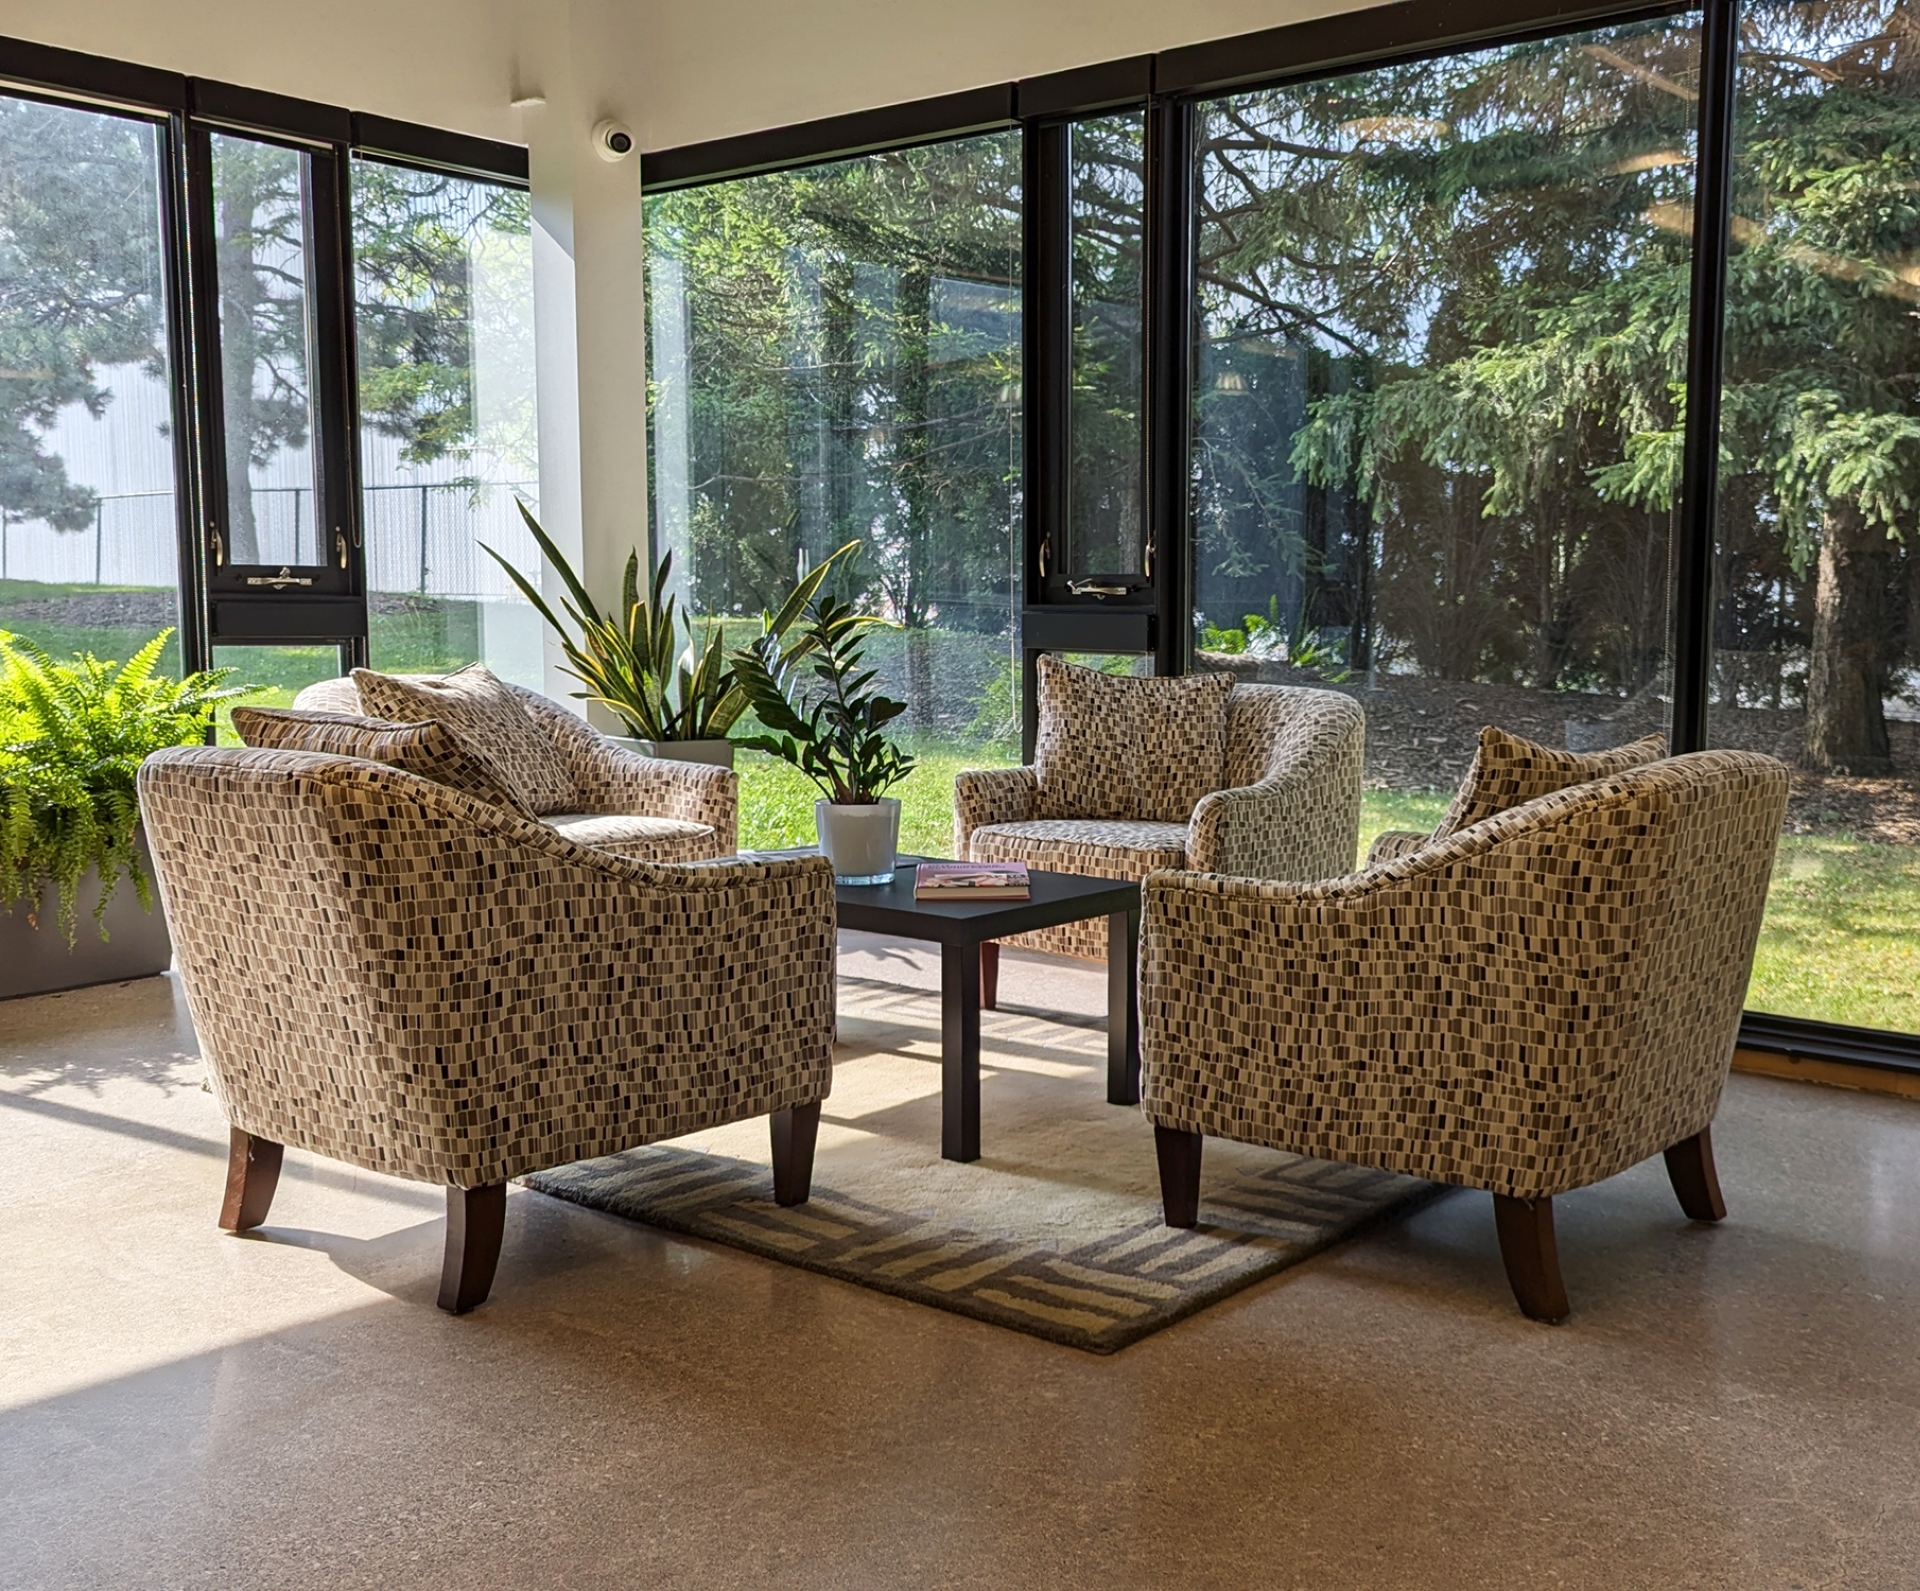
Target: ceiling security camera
[612, 141]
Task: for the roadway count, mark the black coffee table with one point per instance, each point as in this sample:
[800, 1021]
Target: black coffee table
[961, 930]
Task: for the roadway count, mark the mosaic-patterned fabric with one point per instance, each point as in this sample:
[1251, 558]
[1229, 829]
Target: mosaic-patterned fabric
[646, 839]
[1508, 771]
[1094, 847]
[485, 714]
[1392, 844]
[1296, 758]
[606, 778]
[431, 750]
[1296, 813]
[1123, 746]
[1526, 1007]
[401, 976]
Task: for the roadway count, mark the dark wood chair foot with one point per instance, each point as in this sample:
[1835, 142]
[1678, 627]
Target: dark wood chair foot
[476, 1221]
[1695, 1182]
[794, 1134]
[1532, 1257]
[1179, 1156]
[990, 975]
[253, 1172]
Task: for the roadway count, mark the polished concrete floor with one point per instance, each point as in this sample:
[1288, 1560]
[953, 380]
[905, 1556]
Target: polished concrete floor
[1736, 1406]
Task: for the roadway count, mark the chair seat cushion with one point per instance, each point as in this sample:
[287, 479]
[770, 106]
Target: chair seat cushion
[1102, 847]
[644, 839]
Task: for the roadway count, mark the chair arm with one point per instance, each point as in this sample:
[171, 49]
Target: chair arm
[1302, 821]
[396, 974]
[1392, 844]
[992, 795]
[1469, 1014]
[612, 779]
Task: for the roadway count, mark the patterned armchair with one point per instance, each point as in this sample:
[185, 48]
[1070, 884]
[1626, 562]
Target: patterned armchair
[1290, 809]
[644, 807]
[393, 973]
[1526, 1007]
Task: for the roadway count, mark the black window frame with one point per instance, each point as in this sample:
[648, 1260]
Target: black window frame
[213, 612]
[1168, 86]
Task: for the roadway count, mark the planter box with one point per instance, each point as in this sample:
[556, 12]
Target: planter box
[37, 960]
[715, 753]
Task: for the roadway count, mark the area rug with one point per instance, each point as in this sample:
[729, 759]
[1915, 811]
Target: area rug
[1055, 1231]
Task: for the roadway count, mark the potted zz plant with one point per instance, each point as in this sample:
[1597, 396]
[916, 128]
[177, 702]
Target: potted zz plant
[823, 716]
[72, 737]
[677, 698]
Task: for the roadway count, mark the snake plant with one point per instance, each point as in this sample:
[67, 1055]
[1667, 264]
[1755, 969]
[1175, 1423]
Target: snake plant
[635, 663]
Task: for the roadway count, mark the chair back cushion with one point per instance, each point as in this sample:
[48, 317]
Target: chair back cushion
[488, 717]
[1120, 746]
[431, 749]
[1509, 771]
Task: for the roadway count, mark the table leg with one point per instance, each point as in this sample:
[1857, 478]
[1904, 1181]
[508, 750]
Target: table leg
[990, 975]
[960, 1052]
[1123, 1008]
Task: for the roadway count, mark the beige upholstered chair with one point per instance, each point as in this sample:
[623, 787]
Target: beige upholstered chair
[1290, 809]
[393, 973]
[643, 807]
[1525, 1007]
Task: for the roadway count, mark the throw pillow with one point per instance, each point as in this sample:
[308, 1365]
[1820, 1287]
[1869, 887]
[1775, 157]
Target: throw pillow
[431, 750]
[1508, 771]
[488, 717]
[1122, 746]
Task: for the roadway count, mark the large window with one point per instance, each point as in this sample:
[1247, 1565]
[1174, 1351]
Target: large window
[89, 543]
[1442, 320]
[1817, 631]
[443, 309]
[836, 356]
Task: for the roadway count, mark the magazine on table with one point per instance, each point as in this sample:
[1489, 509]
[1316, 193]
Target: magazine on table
[970, 881]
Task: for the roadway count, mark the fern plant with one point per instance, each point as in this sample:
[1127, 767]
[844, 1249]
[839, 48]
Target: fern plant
[72, 737]
[635, 663]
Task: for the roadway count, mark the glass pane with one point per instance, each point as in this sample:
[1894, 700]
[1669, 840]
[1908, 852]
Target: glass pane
[89, 545]
[1817, 635]
[835, 355]
[263, 254]
[1442, 325]
[443, 308]
[273, 675]
[1107, 181]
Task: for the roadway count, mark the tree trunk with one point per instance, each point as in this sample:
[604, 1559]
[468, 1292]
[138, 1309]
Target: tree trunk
[1847, 672]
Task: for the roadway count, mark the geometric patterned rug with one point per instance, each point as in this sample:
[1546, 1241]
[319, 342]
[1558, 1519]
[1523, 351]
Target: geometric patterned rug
[1099, 1294]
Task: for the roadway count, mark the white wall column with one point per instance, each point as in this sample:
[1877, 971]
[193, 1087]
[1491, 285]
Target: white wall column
[589, 308]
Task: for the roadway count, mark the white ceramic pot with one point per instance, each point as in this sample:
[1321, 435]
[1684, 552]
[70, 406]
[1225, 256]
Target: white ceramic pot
[716, 753]
[861, 842]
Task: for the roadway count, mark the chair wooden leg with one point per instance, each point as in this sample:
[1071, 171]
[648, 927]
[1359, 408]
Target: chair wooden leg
[476, 1221]
[1179, 1156]
[253, 1172]
[794, 1134]
[1532, 1257]
[1690, 1169]
[990, 975]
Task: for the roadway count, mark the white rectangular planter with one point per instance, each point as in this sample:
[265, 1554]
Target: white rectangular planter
[715, 753]
[37, 960]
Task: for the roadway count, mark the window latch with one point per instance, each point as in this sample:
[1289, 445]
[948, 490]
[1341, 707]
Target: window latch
[219, 546]
[340, 544]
